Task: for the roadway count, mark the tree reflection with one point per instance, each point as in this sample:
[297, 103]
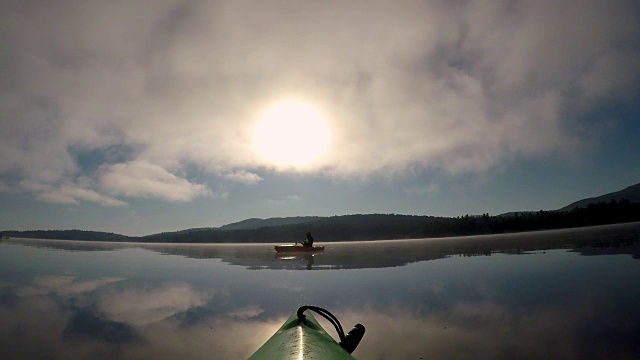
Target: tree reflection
[608, 239]
[175, 302]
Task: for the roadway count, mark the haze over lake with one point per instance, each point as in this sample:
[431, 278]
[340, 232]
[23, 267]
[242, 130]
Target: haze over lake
[565, 294]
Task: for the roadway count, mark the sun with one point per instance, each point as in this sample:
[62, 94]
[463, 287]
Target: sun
[291, 133]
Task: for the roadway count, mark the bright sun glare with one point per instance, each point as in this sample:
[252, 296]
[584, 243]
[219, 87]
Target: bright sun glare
[291, 134]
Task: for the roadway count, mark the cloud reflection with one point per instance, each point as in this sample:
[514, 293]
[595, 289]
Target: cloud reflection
[87, 325]
[62, 317]
[145, 306]
[487, 330]
[68, 317]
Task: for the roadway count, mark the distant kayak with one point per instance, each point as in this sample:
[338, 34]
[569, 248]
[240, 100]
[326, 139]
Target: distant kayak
[302, 337]
[298, 248]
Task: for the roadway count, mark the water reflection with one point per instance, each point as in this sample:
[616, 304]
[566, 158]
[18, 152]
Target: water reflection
[70, 318]
[118, 320]
[609, 239]
[62, 300]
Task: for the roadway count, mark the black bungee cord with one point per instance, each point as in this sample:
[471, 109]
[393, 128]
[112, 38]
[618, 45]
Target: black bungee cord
[348, 342]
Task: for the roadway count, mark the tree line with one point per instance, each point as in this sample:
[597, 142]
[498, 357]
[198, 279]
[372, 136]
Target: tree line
[391, 226]
[377, 227]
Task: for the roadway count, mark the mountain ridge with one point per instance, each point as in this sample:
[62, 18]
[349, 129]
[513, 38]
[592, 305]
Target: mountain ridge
[631, 193]
[256, 223]
[618, 206]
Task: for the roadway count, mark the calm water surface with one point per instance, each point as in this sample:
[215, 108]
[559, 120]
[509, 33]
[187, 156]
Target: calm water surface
[569, 294]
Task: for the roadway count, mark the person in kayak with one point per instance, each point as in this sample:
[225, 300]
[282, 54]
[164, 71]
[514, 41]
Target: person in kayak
[308, 242]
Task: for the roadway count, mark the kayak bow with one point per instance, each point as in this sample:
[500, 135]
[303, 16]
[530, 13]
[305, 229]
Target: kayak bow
[302, 337]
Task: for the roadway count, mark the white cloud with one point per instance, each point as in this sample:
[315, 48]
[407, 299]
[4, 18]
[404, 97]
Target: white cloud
[243, 176]
[56, 197]
[142, 179]
[69, 193]
[80, 193]
[285, 200]
[456, 87]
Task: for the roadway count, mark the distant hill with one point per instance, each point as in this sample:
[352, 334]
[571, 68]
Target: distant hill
[631, 193]
[67, 235]
[516, 213]
[325, 229]
[588, 212]
[255, 223]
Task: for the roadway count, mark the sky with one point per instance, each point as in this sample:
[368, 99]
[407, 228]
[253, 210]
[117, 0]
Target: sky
[138, 117]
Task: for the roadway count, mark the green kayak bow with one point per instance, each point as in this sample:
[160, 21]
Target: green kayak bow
[302, 337]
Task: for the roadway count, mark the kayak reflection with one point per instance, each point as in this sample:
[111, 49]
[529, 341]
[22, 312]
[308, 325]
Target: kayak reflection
[306, 258]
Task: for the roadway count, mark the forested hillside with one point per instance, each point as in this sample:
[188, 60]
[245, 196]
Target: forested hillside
[391, 226]
[371, 227]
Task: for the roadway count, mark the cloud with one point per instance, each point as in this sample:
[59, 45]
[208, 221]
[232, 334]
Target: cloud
[69, 193]
[287, 199]
[243, 176]
[458, 87]
[142, 179]
[85, 194]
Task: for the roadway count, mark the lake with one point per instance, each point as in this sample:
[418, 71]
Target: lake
[563, 294]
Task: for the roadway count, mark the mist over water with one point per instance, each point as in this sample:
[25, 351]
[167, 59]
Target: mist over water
[568, 294]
